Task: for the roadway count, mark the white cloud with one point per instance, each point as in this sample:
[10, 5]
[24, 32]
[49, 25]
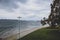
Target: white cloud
[30, 10]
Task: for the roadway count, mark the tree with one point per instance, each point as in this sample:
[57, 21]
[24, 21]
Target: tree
[43, 21]
[54, 17]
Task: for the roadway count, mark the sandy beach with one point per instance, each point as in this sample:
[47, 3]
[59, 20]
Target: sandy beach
[23, 33]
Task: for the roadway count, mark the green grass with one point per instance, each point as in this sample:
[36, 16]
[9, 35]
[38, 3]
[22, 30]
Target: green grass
[43, 34]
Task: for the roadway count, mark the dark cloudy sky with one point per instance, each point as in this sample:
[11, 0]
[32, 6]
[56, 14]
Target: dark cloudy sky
[27, 9]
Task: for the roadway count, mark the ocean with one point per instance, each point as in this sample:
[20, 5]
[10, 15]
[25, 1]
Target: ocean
[9, 27]
[26, 25]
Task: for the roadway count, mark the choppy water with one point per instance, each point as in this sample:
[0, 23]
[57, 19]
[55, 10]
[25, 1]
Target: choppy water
[10, 26]
[29, 24]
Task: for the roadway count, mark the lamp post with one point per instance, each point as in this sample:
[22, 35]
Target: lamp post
[19, 25]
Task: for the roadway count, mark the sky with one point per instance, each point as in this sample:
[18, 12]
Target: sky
[26, 9]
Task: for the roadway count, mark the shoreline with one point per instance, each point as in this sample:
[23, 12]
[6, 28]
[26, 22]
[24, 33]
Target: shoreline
[26, 32]
[23, 33]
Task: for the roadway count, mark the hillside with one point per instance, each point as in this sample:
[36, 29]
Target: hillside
[43, 34]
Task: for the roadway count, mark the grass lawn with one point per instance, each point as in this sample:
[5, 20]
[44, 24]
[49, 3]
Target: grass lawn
[43, 34]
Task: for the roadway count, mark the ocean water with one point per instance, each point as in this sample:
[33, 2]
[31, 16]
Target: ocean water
[9, 27]
[26, 25]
